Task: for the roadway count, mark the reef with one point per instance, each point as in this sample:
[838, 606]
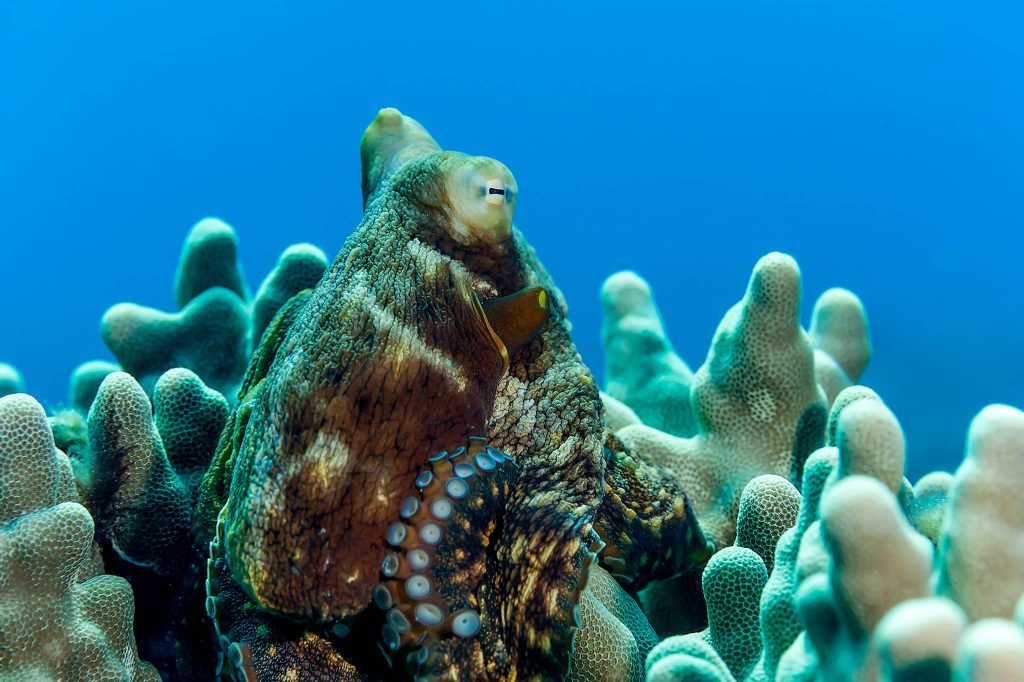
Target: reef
[395, 465]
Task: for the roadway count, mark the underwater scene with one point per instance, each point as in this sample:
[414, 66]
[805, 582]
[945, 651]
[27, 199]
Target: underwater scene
[602, 342]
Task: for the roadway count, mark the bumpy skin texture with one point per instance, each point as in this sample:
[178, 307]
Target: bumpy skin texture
[10, 380]
[300, 267]
[387, 361]
[60, 618]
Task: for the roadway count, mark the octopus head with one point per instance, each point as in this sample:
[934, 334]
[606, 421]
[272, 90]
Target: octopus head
[478, 200]
[475, 196]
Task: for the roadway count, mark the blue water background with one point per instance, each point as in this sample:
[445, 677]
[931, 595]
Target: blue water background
[880, 143]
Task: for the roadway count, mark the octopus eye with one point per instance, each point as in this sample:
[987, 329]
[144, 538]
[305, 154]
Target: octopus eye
[481, 197]
[497, 193]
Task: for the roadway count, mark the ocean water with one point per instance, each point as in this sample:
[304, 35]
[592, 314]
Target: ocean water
[879, 143]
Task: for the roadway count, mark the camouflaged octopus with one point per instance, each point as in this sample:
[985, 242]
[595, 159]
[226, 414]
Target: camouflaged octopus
[417, 479]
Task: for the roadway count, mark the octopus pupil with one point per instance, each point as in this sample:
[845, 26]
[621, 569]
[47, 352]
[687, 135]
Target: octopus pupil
[495, 190]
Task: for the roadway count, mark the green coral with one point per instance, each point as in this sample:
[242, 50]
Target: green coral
[614, 637]
[209, 336]
[642, 370]
[209, 259]
[216, 327]
[141, 506]
[300, 267]
[85, 382]
[732, 585]
[138, 474]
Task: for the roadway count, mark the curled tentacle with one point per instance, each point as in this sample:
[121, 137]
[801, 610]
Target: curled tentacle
[440, 544]
[255, 645]
[646, 520]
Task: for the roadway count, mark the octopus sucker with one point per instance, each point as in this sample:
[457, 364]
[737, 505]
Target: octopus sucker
[428, 588]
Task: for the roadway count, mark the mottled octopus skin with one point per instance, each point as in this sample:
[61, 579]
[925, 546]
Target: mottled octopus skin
[384, 363]
[388, 362]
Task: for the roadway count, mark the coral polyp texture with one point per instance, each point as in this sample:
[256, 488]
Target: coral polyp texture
[857, 575]
[394, 465]
[61, 617]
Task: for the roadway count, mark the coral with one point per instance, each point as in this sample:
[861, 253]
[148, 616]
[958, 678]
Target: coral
[917, 639]
[865, 595]
[851, 585]
[758, 406]
[140, 505]
[300, 267]
[138, 474]
[614, 637]
[842, 345]
[10, 380]
[210, 333]
[991, 650]
[209, 259]
[641, 369]
[395, 465]
[208, 336]
[769, 506]
[60, 617]
[216, 329]
[981, 548]
[86, 380]
[617, 414]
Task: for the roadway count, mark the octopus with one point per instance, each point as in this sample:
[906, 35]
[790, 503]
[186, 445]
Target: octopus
[417, 478]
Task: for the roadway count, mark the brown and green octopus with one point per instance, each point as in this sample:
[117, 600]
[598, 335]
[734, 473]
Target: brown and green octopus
[417, 478]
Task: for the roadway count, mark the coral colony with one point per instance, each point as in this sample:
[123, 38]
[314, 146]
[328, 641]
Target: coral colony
[394, 465]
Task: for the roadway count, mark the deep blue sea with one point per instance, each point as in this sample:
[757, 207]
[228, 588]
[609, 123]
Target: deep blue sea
[880, 143]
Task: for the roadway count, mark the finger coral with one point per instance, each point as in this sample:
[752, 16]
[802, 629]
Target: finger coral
[856, 591]
[216, 326]
[60, 616]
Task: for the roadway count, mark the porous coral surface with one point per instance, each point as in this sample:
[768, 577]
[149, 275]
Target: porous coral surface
[61, 617]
